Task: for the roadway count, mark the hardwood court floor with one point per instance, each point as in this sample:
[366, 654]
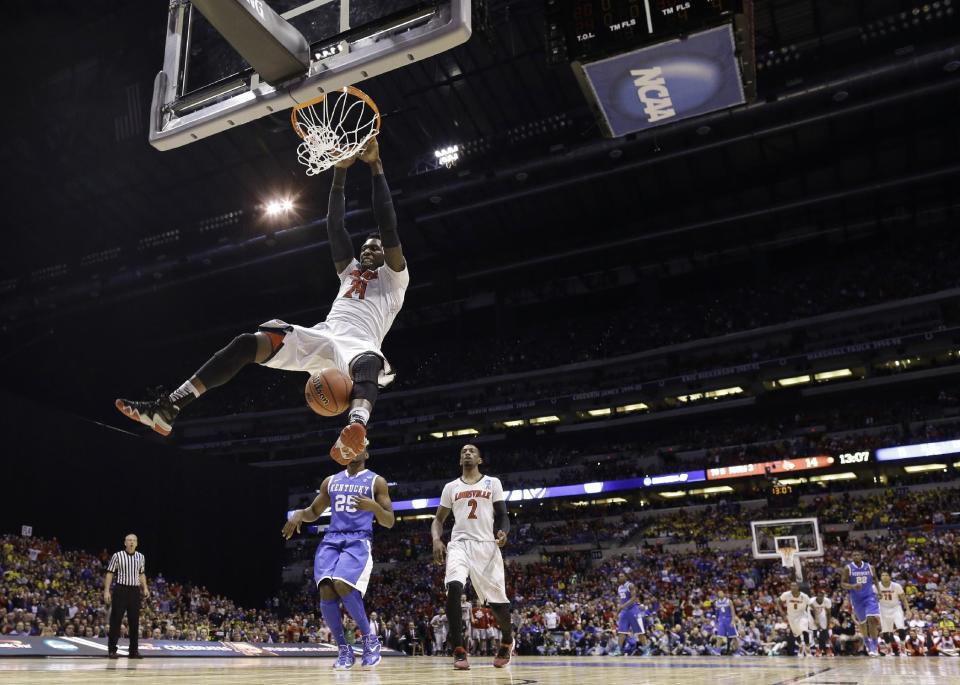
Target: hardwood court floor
[524, 671]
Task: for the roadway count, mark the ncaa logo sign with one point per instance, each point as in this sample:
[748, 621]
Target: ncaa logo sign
[667, 82]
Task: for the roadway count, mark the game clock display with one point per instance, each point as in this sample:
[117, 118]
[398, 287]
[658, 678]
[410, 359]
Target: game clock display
[595, 28]
[783, 495]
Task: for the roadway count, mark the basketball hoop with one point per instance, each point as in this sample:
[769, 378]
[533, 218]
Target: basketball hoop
[334, 127]
[788, 556]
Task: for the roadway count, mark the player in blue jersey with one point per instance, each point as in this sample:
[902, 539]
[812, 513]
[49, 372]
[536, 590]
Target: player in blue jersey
[342, 565]
[858, 578]
[726, 622]
[629, 621]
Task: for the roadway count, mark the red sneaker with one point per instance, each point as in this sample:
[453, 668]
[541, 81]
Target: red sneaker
[352, 441]
[460, 662]
[503, 654]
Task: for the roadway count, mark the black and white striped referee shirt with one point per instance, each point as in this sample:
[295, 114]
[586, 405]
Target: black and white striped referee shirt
[127, 567]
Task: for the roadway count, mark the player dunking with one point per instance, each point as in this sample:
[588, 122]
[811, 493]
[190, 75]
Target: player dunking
[480, 529]
[893, 610]
[342, 564]
[628, 611]
[796, 604]
[858, 579]
[370, 296]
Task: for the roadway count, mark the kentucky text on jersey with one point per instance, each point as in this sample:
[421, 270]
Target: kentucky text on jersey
[473, 494]
[348, 487]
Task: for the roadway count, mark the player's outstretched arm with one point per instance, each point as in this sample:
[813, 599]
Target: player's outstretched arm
[310, 514]
[436, 531]
[383, 210]
[340, 248]
[379, 504]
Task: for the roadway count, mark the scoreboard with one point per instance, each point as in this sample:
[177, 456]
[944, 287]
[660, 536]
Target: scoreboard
[596, 28]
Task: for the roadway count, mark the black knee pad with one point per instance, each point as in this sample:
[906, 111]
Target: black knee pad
[366, 372]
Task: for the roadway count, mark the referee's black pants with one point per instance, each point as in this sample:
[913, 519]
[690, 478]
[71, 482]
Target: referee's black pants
[126, 598]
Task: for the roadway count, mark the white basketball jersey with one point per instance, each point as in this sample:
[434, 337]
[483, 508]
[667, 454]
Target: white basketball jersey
[889, 596]
[472, 507]
[821, 612]
[796, 605]
[368, 301]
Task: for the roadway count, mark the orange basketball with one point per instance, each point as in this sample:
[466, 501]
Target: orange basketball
[328, 392]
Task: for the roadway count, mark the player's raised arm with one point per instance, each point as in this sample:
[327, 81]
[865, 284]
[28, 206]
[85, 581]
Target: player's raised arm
[340, 248]
[383, 210]
[380, 504]
[311, 513]
[436, 530]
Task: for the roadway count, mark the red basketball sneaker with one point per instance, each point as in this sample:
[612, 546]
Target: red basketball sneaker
[352, 441]
[460, 662]
[503, 654]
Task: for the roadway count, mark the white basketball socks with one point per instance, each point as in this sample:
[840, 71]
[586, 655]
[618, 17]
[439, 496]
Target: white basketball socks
[359, 415]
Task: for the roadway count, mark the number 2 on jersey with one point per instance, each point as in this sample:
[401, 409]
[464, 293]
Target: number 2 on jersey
[473, 509]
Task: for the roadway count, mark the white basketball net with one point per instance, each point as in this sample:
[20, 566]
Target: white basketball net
[787, 556]
[334, 128]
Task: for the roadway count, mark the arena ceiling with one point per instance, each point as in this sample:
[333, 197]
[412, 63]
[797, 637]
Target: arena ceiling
[855, 121]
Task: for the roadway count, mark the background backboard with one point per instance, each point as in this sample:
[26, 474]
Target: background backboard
[806, 531]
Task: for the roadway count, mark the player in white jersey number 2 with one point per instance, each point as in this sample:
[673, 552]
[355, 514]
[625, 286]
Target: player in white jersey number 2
[480, 529]
[797, 606]
[371, 294]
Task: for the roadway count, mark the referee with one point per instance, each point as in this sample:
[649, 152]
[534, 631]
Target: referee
[128, 566]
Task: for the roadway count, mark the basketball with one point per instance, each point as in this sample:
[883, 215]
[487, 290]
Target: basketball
[328, 392]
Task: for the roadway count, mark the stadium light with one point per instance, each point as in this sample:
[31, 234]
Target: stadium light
[447, 155]
[712, 491]
[920, 468]
[792, 380]
[544, 419]
[711, 394]
[514, 423]
[279, 206]
[849, 475]
[829, 375]
[791, 481]
[628, 408]
[599, 412]
[670, 494]
[455, 433]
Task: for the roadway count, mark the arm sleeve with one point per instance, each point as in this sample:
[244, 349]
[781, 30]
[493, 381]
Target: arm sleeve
[340, 248]
[384, 212]
[501, 517]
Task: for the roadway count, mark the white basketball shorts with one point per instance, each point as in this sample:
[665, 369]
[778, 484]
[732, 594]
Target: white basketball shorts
[321, 347]
[482, 563]
[891, 619]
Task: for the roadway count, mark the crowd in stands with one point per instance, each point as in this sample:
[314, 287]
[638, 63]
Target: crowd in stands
[562, 604]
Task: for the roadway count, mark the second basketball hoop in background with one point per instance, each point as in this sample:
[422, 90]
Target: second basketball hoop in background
[334, 127]
[328, 392]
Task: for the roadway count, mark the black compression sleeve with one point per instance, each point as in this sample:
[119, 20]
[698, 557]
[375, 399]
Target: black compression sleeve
[502, 518]
[340, 248]
[384, 212]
